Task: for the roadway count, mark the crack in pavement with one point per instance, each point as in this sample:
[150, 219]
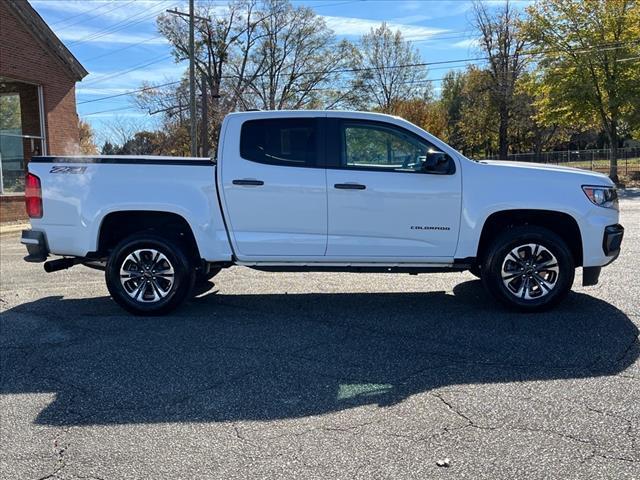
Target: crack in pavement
[596, 450]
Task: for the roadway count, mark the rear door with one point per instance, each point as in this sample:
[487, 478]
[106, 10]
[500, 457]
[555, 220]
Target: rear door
[383, 202]
[274, 189]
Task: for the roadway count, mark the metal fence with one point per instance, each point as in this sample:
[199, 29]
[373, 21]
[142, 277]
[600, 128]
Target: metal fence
[598, 160]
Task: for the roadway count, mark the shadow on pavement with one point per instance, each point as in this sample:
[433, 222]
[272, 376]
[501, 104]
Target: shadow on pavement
[276, 356]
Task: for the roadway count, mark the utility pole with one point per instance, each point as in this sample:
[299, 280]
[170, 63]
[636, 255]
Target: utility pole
[205, 118]
[192, 73]
[192, 82]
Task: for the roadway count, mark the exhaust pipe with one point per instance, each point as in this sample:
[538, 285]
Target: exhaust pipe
[60, 264]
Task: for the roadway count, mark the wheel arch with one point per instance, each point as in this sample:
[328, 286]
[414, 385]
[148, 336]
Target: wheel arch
[117, 225]
[562, 224]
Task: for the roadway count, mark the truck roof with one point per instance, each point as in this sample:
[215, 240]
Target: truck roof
[355, 114]
[124, 159]
[133, 157]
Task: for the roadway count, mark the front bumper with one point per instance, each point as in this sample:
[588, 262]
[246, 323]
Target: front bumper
[612, 239]
[36, 243]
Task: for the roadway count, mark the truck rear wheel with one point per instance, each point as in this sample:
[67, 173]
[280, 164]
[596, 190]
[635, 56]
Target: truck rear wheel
[528, 268]
[148, 274]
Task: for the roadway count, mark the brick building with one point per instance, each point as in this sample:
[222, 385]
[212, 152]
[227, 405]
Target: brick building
[37, 99]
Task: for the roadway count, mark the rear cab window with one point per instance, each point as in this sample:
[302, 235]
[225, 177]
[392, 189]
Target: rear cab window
[290, 142]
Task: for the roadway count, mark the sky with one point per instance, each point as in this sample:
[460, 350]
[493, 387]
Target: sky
[118, 43]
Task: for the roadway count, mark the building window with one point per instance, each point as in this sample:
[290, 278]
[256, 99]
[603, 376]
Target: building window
[21, 132]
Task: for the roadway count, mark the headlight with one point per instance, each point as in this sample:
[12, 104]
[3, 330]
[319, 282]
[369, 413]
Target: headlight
[606, 197]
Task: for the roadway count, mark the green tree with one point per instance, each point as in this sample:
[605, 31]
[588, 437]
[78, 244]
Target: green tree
[10, 118]
[451, 100]
[478, 116]
[531, 129]
[588, 63]
[108, 149]
[144, 143]
[501, 41]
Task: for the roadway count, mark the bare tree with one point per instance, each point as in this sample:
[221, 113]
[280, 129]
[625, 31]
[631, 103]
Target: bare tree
[386, 69]
[501, 41]
[171, 99]
[255, 54]
[297, 57]
[120, 129]
[223, 45]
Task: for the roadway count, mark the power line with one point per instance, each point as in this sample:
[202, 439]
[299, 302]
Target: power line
[321, 5]
[128, 70]
[226, 77]
[185, 107]
[119, 5]
[123, 48]
[444, 64]
[132, 92]
[140, 43]
[112, 52]
[144, 89]
[466, 61]
[106, 111]
[79, 14]
[116, 27]
[110, 30]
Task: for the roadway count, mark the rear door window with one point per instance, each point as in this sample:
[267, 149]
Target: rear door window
[288, 141]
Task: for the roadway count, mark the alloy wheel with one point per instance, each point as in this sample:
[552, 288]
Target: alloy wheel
[530, 271]
[147, 275]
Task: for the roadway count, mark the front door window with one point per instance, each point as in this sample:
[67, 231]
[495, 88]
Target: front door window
[382, 148]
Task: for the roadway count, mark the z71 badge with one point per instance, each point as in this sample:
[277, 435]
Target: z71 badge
[66, 169]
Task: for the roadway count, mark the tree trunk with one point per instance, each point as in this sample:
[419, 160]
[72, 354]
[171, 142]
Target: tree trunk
[503, 138]
[538, 150]
[613, 140]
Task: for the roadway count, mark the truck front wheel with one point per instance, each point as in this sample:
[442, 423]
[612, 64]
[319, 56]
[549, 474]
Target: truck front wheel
[528, 268]
[148, 274]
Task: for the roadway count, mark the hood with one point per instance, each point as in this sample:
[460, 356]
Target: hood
[586, 175]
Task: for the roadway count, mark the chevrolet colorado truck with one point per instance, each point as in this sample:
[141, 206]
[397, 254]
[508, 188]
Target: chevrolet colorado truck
[320, 191]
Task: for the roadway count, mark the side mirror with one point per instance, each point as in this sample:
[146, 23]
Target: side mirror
[436, 162]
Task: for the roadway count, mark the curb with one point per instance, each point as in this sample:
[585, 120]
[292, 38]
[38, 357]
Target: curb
[15, 228]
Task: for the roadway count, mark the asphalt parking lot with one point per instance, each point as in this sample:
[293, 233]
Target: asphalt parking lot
[319, 376]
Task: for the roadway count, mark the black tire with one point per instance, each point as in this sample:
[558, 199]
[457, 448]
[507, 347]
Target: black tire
[546, 279]
[475, 270]
[171, 285]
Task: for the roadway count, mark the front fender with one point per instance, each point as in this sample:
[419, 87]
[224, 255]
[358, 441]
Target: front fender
[489, 189]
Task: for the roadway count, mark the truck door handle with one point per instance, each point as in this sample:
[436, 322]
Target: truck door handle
[246, 181]
[349, 186]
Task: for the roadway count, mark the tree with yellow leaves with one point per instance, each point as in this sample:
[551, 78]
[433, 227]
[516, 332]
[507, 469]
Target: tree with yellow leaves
[589, 63]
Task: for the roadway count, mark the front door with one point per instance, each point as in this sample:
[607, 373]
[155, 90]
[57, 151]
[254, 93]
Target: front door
[274, 193]
[383, 202]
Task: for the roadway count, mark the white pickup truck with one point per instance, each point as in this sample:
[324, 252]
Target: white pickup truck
[320, 191]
